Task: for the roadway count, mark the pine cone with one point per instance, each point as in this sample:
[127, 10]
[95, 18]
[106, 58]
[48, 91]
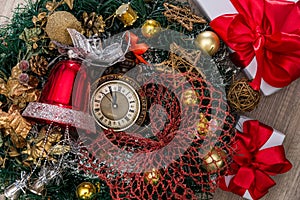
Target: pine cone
[93, 24]
[38, 65]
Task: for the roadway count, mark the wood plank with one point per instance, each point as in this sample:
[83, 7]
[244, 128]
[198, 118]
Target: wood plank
[6, 9]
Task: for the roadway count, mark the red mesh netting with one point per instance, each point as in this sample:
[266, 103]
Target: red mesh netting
[181, 151]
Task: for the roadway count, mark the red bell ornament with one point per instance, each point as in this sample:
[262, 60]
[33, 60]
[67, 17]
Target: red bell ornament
[64, 98]
[59, 87]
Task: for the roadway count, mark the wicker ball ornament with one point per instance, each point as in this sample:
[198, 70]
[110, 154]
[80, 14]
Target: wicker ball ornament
[57, 25]
[242, 97]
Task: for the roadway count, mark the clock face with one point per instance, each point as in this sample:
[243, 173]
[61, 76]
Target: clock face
[115, 104]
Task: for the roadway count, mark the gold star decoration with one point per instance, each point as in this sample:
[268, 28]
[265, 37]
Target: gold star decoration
[182, 15]
[190, 59]
[181, 61]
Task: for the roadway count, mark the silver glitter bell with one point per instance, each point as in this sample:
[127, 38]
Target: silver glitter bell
[39, 185]
[13, 191]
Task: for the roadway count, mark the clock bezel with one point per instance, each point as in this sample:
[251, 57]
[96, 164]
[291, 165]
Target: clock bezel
[130, 83]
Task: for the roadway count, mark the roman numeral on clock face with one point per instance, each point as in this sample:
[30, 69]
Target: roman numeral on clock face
[127, 118]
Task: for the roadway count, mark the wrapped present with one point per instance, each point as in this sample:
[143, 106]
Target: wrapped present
[264, 36]
[259, 153]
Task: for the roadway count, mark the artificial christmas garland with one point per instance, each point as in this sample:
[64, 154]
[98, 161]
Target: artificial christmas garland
[46, 156]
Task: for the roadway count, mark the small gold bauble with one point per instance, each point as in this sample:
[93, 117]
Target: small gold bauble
[189, 97]
[214, 160]
[126, 14]
[203, 125]
[85, 190]
[151, 28]
[208, 41]
[57, 25]
[152, 176]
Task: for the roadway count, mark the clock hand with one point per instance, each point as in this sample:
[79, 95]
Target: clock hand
[114, 97]
[107, 97]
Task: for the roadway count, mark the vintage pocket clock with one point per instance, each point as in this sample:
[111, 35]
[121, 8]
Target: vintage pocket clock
[117, 102]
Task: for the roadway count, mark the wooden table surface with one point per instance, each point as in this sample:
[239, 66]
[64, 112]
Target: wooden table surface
[280, 110]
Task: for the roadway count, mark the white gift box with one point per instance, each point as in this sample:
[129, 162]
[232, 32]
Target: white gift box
[276, 139]
[216, 8]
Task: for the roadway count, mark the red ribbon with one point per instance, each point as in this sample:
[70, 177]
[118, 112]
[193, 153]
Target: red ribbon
[137, 49]
[268, 30]
[251, 166]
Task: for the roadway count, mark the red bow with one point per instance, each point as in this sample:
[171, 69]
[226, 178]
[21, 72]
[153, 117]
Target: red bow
[268, 30]
[253, 165]
[137, 49]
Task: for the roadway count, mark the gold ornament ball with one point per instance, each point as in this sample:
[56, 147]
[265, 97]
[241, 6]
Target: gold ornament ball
[57, 25]
[85, 190]
[208, 41]
[152, 176]
[242, 97]
[203, 125]
[151, 28]
[189, 97]
[214, 160]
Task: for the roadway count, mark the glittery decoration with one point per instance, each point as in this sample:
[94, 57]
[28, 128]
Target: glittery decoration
[60, 115]
[57, 25]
